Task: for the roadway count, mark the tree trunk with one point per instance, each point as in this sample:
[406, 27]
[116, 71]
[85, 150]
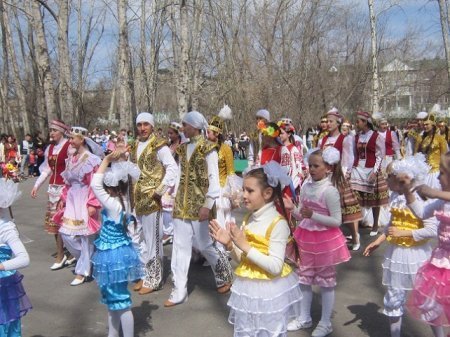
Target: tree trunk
[19, 90]
[183, 78]
[374, 52]
[65, 78]
[126, 100]
[43, 62]
[444, 28]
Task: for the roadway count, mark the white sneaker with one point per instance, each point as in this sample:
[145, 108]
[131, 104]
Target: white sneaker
[322, 330]
[296, 324]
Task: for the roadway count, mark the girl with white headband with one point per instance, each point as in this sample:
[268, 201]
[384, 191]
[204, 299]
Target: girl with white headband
[320, 241]
[115, 262]
[407, 236]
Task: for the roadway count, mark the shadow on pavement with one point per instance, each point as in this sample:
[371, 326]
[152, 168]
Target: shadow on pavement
[369, 319]
[143, 318]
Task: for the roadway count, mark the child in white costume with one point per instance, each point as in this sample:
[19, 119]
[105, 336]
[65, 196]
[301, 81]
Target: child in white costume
[265, 294]
[407, 235]
[14, 302]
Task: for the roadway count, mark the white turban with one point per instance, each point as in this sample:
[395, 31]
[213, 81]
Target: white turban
[195, 119]
[422, 115]
[145, 117]
[263, 114]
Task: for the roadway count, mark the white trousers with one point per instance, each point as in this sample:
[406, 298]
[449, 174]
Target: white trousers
[81, 247]
[146, 236]
[188, 234]
[168, 223]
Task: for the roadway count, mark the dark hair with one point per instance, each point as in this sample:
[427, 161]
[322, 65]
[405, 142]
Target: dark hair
[426, 150]
[337, 176]
[259, 175]
[120, 190]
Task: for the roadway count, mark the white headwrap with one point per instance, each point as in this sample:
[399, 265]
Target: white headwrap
[414, 167]
[263, 113]
[10, 192]
[145, 117]
[275, 174]
[120, 171]
[422, 115]
[196, 119]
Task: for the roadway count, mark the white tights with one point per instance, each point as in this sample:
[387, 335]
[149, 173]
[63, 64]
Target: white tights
[120, 317]
[327, 304]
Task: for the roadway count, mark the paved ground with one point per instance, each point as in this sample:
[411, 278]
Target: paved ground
[62, 311]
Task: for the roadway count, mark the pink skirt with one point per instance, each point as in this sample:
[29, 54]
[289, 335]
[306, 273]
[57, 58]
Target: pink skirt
[430, 299]
[321, 248]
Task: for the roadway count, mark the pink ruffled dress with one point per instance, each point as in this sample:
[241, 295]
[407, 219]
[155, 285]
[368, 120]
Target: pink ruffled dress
[77, 194]
[321, 247]
[430, 299]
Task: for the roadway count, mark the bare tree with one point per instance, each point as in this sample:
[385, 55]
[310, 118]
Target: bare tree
[43, 62]
[443, 12]
[374, 52]
[65, 73]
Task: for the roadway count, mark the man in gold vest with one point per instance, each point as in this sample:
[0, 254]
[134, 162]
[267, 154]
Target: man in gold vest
[159, 172]
[197, 192]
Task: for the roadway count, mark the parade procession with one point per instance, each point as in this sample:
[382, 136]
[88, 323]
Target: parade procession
[225, 168]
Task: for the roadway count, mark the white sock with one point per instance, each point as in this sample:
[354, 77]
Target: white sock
[438, 331]
[395, 325]
[327, 294]
[127, 321]
[305, 303]
[113, 324]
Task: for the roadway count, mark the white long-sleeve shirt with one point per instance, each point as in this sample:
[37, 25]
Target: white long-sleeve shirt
[380, 149]
[258, 223]
[347, 155]
[10, 236]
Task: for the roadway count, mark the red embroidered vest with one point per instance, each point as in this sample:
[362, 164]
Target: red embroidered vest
[366, 151]
[270, 153]
[389, 148]
[57, 163]
[337, 144]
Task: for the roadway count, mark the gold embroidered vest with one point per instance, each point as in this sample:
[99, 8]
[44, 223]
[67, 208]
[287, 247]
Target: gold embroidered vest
[226, 163]
[152, 174]
[191, 193]
[434, 150]
[250, 270]
[403, 218]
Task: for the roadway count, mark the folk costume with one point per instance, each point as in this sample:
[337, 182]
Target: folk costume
[391, 142]
[199, 187]
[351, 210]
[168, 198]
[230, 183]
[433, 146]
[429, 300]
[14, 302]
[369, 154]
[404, 255]
[115, 262]
[52, 167]
[159, 173]
[255, 146]
[77, 227]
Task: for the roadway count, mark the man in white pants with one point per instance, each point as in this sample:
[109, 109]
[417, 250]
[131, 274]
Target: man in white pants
[197, 191]
[159, 172]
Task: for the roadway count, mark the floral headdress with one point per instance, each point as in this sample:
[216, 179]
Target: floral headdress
[286, 126]
[270, 129]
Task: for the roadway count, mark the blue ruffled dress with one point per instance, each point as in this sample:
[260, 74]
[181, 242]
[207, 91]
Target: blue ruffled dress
[116, 263]
[14, 302]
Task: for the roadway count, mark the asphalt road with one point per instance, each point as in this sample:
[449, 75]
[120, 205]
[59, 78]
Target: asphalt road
[62, 311]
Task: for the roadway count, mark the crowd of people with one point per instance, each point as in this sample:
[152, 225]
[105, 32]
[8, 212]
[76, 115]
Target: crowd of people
[113, 201]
